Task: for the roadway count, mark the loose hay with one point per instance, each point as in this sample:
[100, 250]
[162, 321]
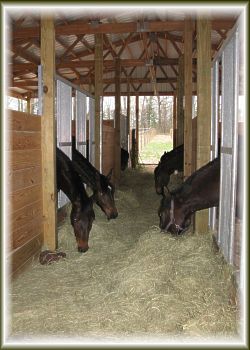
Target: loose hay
[133, 281]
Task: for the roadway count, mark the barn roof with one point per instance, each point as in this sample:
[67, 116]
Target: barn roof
[148, 41]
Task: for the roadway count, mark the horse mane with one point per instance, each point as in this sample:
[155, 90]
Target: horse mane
[184, 189]
[89, 172]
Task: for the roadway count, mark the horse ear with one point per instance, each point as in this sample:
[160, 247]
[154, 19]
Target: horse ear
[109, 174]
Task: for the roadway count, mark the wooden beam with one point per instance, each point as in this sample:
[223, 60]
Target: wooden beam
[88, 28]
[117, 153]
[203, 106]
[98, 96]
[188, 87]
[48, 133]
[138, 62]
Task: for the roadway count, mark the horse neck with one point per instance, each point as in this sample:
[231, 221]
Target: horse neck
[85, 169]
[203, 179]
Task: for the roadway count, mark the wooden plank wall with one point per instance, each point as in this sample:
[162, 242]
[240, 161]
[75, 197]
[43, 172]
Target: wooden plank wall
[24, 188]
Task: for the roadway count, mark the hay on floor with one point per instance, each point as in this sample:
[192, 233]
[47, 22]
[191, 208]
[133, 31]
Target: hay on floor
[133, 282]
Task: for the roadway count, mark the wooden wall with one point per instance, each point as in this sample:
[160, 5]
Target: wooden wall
[24, 188]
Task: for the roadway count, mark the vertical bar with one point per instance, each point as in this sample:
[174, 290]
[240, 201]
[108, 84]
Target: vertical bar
[137, 129]
[228, 115]
[81, 116]
[128, 119]
[117, 153]
[214, 129]
[64, 117]
[236, 51]
[40, 90]
[92, 131]
[98, 95]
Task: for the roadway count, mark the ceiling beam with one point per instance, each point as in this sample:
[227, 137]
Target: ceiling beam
[136, 27]
[109, 81]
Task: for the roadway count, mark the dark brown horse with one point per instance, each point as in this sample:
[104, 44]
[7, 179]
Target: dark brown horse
[169, 162]
[103, 189]
[199, 191]
[82, 213]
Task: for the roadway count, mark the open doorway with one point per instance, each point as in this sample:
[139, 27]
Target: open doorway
[155, 128]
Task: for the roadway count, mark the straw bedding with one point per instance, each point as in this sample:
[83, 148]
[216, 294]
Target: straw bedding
[133, 282]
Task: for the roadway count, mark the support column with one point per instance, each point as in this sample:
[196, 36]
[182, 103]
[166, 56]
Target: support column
[48, 132]
[98, 97]
[188, 37]
[174, 121]
[29, 104]
[128, 115]
[137, 129]
[180, 94]
[117, 153]
[203, 106]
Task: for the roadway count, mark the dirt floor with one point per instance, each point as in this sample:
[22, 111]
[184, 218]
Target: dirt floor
[134, 284]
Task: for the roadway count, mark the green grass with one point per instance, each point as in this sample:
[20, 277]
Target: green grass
[152, 153]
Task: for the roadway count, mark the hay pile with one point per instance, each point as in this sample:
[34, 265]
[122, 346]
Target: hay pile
[133, 282]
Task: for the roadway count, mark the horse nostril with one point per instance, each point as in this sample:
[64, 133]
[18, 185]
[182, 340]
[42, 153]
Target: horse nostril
[82, 250]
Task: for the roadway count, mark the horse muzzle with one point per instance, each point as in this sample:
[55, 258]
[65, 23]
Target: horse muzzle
[112, 215]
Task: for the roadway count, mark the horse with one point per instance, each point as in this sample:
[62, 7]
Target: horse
[199, 191]
[82, 213]
[169, 162]
[103, 189]
[124, 159]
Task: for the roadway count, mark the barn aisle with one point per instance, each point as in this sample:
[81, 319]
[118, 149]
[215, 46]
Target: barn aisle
[133, 283]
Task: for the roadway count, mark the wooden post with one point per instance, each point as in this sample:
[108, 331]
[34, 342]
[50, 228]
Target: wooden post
[98, 97]
[137, 128]
[48, 131]
[128, 116]
[174, 121]
[203, 106]
[188, 36]
[180, 94]
[117, 153]
[29, 104]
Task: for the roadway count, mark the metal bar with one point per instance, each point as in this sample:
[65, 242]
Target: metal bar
[81, 116]
[226, 150]
[61, 144]
[40, 90]
[63, 117]
[91, 131]
[235, 143]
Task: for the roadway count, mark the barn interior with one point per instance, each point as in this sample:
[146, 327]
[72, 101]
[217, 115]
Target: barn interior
[135, 283]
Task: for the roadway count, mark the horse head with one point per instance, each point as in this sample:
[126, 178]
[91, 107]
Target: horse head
[104, 195]
[173, 214]
[82, 219]
[161, 178]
